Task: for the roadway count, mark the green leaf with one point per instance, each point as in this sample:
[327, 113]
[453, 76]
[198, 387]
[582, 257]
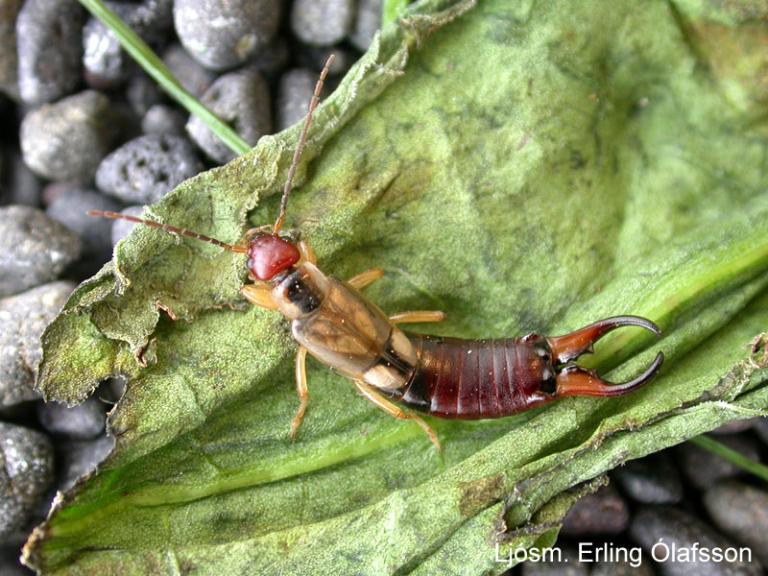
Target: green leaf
[524, 167]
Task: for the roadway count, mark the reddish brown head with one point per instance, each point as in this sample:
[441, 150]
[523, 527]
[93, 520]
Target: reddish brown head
[269, 255]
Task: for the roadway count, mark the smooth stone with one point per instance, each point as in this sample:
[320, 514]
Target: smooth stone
[761, 429]
[142, 93]
[271, 60]
[24, 187]
[741, 512]
[221, 35]
[322, 22]
[9, 561]
[106, 64]
[367, 23]
[241, 99]
[603, 512]
[9, 63]
[49, 44]
[623, 568]
[81, 457]
[704, 469]
[70, 207]
[34, 248]
[121, 228]
[314, 58]
[66, 141]
[81, 422]
[23, 319]
[678, 528]
[26, 470]
[145, 169]
[651, 480]
[161, 119]
[735, 426]
[569, 566]
[293, 96]
[194, 77]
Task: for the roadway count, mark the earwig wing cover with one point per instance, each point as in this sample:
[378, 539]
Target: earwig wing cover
[522, 166]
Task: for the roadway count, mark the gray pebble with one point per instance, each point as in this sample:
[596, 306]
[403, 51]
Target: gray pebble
[683, 530]
[111, 390]
[67, 140]
[70, 207]
[568, 566]
[741, 512]
[761, 429]
[9, 9]
[641, 568]
[188, 71]
[81, 422]
[221, 35]
[241, 99]
[142, 93]
[23, 318]
[735, 426]
[49, 45]
[121, 228]
[367, 23]
[271, 60]
[322, 22]
[604, 512]
[145, 169]
[106, 64]
[704, 469]
[293, 96]
[33, 249]
[162, 119]
[80, 457]
[26, 470]
[23, 186]
[315, 58]
[651, 480]
[9, 561]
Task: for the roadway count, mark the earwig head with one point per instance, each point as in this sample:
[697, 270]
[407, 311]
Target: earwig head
[269, 255]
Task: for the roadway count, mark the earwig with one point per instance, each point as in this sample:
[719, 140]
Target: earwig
[443, 377]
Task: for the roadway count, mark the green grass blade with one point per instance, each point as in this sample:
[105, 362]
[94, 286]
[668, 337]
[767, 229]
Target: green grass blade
[732, 456]
[155, 67]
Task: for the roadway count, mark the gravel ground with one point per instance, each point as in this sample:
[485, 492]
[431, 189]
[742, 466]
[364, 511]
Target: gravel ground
[83, 128]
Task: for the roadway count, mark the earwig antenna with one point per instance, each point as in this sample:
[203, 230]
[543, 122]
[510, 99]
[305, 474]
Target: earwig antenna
[300, 147]
[168, 228]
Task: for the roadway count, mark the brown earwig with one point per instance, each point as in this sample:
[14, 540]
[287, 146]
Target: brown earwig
[443, 377]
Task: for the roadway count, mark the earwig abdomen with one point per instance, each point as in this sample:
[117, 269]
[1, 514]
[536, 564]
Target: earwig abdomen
[475, 379]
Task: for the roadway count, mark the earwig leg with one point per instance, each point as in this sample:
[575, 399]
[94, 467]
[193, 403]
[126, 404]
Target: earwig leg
[575, 381]
[307, 254]
[571, 346]
[365, 278]
[417, 317]
[301, 389]
[373, 396]
[259, 295]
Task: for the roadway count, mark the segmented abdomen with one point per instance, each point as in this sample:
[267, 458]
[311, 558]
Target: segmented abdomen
[474, 379]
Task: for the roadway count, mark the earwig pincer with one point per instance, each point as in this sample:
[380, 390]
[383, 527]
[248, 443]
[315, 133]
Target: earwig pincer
[442, 377]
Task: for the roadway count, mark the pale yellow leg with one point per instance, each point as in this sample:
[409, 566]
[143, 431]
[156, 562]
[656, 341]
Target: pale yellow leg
[301, 389]
[259, 295]
[307, 254]
[393, 410]
[365, 278]
[417, 317]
